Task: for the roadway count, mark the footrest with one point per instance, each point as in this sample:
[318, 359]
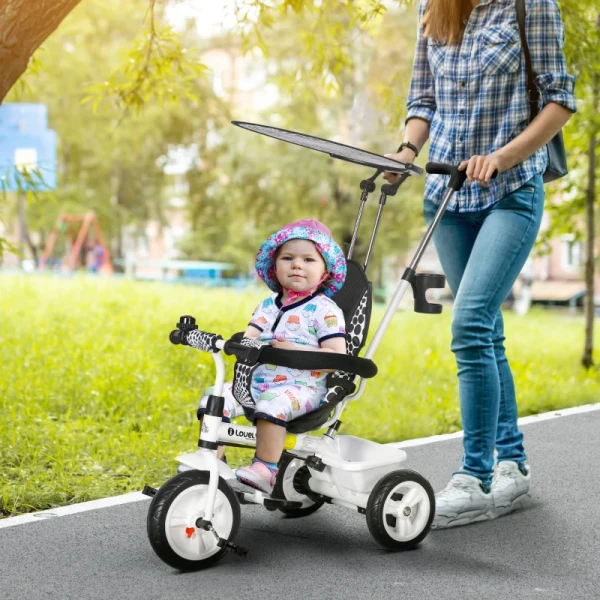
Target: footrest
[275, 503]
[268, 502]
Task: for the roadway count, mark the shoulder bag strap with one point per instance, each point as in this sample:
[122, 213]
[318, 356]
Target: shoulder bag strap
[533, 92]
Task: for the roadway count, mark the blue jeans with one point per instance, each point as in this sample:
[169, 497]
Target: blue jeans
[482, 254]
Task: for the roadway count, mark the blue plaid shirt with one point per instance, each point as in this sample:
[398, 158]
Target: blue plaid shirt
[474, 94]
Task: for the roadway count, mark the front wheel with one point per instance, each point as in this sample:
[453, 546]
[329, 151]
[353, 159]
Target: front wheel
[400, 510]
[172, 516]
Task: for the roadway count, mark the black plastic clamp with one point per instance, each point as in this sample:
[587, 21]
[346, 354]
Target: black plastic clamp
[314, 462]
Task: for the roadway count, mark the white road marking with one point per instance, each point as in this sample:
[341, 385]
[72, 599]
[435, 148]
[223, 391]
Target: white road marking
[137, 496]
[73, 509]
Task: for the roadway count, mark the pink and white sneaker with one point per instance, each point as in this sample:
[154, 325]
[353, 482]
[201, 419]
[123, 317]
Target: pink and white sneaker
[258, 476]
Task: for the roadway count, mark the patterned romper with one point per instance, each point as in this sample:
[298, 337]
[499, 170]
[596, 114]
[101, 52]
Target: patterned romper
[282, 394]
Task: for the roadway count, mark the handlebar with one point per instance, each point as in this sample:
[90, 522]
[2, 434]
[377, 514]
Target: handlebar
[457, 178]
[188, 334]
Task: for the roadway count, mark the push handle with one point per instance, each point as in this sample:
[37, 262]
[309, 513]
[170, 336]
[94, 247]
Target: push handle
[457, 178]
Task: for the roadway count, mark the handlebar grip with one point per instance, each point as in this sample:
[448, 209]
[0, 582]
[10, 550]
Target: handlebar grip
[202, 340]
[457, 178]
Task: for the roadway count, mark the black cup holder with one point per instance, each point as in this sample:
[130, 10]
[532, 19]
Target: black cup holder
[420, 284]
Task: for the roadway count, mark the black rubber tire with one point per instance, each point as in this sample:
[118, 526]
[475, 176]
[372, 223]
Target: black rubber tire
[279, 493]
[377, 499]
[157, 514]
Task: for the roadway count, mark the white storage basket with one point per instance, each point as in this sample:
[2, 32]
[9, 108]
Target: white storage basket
[357, 464]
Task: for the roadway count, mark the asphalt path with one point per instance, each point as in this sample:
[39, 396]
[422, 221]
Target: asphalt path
[551, 550]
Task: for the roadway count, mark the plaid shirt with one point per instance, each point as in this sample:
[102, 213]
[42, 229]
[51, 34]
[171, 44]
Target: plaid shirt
[474, 94]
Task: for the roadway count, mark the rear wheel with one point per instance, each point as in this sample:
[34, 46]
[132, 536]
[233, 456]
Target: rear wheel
[172, 517]
[400, 510]
[284, 488]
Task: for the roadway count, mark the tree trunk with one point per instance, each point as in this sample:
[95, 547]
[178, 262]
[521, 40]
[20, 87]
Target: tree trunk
[115, 183]
[32, 247]
[24, 25]
[587, 359]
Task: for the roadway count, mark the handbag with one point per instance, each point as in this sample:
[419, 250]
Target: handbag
[557, 156]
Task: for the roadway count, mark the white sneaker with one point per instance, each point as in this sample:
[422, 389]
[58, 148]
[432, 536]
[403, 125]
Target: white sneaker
[461, 502]
[510, 488]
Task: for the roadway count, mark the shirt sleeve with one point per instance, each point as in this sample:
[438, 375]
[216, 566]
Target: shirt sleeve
[545, 37]
[330, 322]
[421, 96]
[262, 315]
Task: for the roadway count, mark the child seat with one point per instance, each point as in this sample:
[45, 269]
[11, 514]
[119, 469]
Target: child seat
[355, 300]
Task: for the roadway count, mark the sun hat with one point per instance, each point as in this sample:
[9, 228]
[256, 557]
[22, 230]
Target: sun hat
[305, 229]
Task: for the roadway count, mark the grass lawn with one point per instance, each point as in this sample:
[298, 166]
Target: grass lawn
[96, 401]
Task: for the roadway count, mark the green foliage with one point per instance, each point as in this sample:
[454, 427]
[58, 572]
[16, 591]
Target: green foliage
[251, 184]
[107, 163]
[157, 69]
[566, 202]
[96, 401]
[325, 37]
[113, 165]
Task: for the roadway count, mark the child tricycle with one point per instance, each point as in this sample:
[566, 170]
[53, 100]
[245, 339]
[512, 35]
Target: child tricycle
[194, 517]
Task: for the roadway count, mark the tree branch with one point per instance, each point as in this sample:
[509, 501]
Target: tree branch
[24, 25]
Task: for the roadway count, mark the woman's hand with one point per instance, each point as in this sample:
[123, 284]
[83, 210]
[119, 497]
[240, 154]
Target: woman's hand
[405, 156]
[481, 168]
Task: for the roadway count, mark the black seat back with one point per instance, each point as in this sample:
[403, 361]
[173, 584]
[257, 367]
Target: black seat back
[355, 300]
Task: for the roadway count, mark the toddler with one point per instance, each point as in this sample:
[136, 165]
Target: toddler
[304, 267]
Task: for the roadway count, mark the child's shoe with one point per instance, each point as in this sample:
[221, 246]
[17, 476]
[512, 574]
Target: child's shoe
[510, 488]
[258, 476]
[461, 502]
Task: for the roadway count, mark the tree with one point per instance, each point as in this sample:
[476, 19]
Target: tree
[107, 162]
[582, 49]
[24, 25]
[158, 67]
[257, 182]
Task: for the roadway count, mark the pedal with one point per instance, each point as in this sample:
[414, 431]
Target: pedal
[237, 549]
[149, 491]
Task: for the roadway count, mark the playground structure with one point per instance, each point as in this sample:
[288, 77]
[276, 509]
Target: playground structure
[77, 235]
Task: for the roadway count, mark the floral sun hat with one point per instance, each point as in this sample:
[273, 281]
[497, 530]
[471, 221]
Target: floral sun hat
[305, 229]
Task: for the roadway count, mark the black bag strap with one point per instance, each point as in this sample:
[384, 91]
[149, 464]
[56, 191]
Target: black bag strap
[532, 92]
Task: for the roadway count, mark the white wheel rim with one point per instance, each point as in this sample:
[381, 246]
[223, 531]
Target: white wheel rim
[287, 484]
[410, 513]
[184, 538]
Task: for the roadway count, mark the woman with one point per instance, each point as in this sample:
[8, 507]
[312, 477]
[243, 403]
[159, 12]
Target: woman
[468, 95]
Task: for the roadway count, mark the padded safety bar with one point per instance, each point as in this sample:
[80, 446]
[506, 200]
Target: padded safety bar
[293, 359]
[308, 361]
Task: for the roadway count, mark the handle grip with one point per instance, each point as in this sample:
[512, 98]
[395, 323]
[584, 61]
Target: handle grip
[457, 178]
[188, 334]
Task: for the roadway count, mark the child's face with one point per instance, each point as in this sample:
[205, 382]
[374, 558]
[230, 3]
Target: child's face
[299, 266]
